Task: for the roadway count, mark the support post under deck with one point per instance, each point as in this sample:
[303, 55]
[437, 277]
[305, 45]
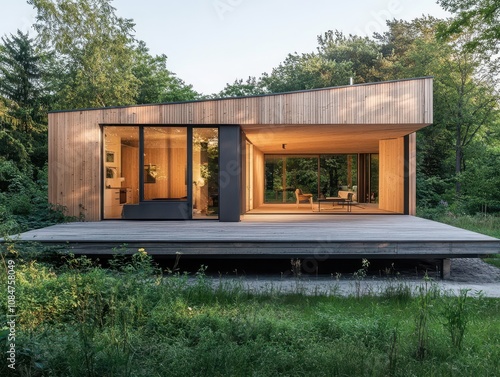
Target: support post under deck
[446, 268]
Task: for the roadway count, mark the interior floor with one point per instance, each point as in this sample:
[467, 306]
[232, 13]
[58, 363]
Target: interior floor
[326, 208]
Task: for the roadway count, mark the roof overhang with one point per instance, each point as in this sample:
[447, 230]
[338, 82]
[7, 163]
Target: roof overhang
[327, 139]
[347, 119]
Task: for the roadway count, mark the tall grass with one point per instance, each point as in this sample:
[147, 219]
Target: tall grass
[83, 320]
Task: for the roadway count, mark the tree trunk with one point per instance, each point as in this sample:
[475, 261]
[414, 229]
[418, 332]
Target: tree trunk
[458, 160]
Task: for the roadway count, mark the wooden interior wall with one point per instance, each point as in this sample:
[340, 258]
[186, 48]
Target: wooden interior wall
[171, 173]
[130, 170]
[391, 175]
[258, 177]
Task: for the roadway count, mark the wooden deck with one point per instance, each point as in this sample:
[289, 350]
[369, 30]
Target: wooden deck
[274, 236]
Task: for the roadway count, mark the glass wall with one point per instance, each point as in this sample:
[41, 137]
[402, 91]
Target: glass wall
[121, 164]
[322, 176]
[284, 174]
[205, 200]
[165, 163]
[150, 163]
[338, 173]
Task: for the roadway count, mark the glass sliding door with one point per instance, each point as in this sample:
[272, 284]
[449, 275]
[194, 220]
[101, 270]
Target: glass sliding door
[165, 163]
[205, 198]
[121, 163]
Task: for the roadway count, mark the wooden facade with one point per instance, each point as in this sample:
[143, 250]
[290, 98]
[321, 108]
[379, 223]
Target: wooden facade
[368, 118]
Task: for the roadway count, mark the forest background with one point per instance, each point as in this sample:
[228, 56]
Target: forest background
[83, 55]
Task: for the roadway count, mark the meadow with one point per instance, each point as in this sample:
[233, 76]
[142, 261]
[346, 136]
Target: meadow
[76, 318]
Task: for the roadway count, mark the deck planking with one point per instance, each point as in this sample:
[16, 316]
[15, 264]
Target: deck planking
[374, 236]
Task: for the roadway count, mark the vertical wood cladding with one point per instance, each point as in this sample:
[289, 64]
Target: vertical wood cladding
[75, 145]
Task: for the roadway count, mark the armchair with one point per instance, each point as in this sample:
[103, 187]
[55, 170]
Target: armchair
[301, 197]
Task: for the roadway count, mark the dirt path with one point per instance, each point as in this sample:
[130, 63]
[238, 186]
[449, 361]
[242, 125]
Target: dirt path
[468, 273]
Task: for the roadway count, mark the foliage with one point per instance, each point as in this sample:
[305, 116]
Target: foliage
[82, 320]
[156, 83]
[250, 87]
[20, 81]
[23, 200]
[482, 16]
[456, 314]
[86, 56]
[24, 103]
[92, 52]
[361, 53]
[465, 95]
[306, 71]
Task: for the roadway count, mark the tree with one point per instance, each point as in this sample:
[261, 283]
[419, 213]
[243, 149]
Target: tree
[93, 52]
[481, 17]
[23, 107]
[306, 71]
[409, 48]
[470, 104]
[465, 100]
[156, 83]
[20, 82]
[361, 52]
[250, 87]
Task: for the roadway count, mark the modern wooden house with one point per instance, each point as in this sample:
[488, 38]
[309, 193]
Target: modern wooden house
[221, 158]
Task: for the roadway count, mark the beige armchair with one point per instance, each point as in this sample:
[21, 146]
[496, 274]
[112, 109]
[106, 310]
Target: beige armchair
[301, 197]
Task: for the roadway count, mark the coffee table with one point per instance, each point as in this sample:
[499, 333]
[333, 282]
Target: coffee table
[335, 199]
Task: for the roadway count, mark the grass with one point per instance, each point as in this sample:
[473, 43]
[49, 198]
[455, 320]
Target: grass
[79, 319]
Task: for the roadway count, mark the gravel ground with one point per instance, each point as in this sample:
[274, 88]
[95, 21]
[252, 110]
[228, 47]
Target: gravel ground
[473, 270]
[467, 273]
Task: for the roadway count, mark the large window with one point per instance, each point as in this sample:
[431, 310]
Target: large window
[151, 164]
[165, 163]
[121, 164]
[205, 173]
[323, 175]
[338, 173]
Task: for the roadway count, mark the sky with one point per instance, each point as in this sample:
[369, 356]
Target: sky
[213, 42]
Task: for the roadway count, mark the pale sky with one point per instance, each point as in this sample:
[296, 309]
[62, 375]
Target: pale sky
[213, 42]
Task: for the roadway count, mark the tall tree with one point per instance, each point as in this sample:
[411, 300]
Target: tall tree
[156, 83]
[20, 81]
[24, 103]
[467, 82]
[93, 51]
[465, 99]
